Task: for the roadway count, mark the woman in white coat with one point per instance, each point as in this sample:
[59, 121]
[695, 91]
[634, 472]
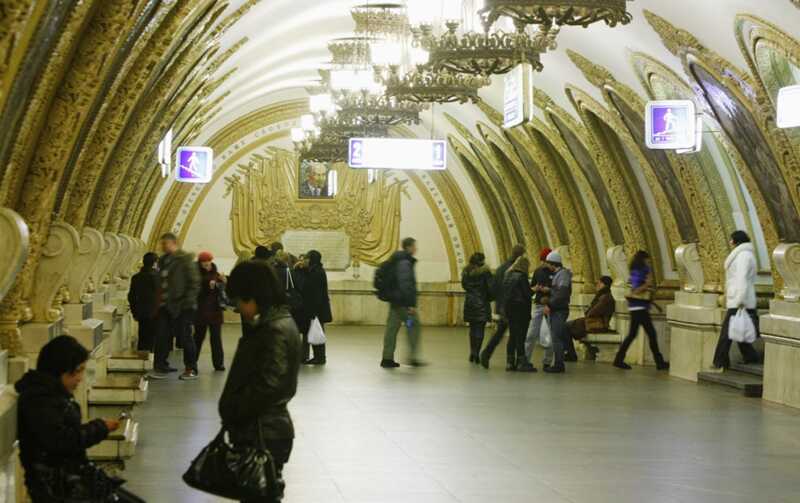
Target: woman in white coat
[740, 292]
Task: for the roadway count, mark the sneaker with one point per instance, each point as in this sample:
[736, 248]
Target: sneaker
[389, 364]
[622, 365]
[158, 375]
[188, 375]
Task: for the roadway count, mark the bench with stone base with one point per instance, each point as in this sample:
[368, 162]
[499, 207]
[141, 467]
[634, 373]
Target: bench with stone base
[607, 344]
[130, 361]
[119, 446]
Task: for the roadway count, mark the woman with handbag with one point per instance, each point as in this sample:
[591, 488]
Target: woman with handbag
[210, 309]
[52, 440]
[740, 293]
[261, 382]
[316, 302]
[639, 300]
[596, 317]
[476, 279]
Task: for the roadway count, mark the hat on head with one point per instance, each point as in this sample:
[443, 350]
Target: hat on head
[544, 253]
[205, 257]
[554, 257]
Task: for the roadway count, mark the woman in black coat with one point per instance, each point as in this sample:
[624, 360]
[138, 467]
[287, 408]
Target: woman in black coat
[52, 440]
[517, 309]
[143, 299]
[476, 279]
[316, 302]
[263, 375]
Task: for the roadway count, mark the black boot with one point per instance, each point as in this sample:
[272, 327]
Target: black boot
[319, 355]
[660, 363]
[484, 359]
[511, 365]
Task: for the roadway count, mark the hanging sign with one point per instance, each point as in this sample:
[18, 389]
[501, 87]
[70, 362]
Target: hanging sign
[397, 153]
[518, 96]
[671, 125]
[195, 164]
[789, 107]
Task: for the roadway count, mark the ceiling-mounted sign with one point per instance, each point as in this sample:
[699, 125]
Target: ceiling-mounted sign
[671, 125]
[518, 96]
[397, 153]
[195, 164]
[789, 107]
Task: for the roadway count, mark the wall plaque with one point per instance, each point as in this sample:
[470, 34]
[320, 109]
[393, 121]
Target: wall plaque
[333, 245]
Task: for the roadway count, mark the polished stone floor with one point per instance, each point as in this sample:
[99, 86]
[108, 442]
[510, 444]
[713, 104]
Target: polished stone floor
[451, 432]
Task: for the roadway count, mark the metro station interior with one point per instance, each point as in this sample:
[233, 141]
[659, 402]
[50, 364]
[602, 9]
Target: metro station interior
[592, 128]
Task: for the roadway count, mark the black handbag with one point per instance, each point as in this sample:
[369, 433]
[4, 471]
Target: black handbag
[84, 484]
[234, 472]
[293, 297]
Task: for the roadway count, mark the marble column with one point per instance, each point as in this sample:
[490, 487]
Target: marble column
[780, 330]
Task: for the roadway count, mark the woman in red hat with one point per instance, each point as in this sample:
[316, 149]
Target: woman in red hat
[210, 307]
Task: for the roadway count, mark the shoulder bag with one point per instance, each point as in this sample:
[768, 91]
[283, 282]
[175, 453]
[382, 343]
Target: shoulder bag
[293, 297]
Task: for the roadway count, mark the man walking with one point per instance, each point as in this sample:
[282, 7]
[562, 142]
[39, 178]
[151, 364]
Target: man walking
[403, 305]
[180, 284]
[557, 311]
[499, 300]
[540, 284]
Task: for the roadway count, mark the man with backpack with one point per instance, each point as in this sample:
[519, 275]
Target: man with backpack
[396, 283]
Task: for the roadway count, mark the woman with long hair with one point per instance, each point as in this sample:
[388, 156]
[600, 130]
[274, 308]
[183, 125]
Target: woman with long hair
[639, 302]
[210, 302]
[476, 279]
[316, 302]
[740, 293]
[517, 309]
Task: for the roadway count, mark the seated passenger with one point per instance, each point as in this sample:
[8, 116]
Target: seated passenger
[263, 376]
[596, 317]
[52, 440]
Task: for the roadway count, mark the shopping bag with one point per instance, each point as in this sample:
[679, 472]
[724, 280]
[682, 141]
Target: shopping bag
[741, 328]
[316, 336]
[545, 337]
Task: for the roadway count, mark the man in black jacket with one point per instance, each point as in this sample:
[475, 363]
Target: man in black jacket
[403, 307]
[499, 300]
[143, 300]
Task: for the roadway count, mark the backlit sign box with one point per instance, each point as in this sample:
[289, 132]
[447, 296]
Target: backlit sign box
[789, 107]
[518, 96]
[195, 164]
[397, 153]
[670, 125]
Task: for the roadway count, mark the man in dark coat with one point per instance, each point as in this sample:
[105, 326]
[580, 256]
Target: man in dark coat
[403, 307]
[499, 298]
[143, 300]
[316, 301]
[52, 439]
[540, 283]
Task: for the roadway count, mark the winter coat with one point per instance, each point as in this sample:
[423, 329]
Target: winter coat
[406, 279]
[49, 428]
[209, 308]
[517, 295]
[299, 280]
[560, 290]
[740, 277]
[180, 282]
[477, 283]
[542, 276]
[601, 308]
[143, 295]
[316, 302]
[499, 279]
[262, 379]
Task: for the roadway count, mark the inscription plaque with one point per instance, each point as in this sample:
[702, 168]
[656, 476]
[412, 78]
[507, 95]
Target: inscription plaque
[333, 245]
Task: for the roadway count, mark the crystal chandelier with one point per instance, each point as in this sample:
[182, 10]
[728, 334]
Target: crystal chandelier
[557, 12]
[459, 39]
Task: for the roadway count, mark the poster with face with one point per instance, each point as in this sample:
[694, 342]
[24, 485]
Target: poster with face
[314, 180]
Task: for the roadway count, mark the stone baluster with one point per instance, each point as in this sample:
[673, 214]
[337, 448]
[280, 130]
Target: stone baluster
[780, 330]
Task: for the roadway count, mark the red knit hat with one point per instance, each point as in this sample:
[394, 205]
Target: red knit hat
[205, 257]
[544, 253]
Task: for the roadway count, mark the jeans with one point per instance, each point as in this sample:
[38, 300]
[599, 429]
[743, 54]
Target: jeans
[722, 357]
[147, 334]
[398, 315]
[180, 328]
[217, 352]
[558, 334]
[532, 337]
[640, 318]
[477, 332]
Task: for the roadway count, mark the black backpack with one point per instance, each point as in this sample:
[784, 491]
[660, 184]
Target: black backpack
[385, 280]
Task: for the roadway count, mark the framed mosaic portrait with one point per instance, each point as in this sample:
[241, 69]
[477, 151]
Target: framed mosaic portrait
[316, 180]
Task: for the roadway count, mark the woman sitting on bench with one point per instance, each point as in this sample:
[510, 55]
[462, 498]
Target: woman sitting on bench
[596, 317]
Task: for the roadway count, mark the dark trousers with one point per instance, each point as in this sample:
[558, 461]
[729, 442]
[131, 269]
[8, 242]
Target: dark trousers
[722, 357]
[477, 332]
[640, 318]
[502, 326]
[280, 450]
[518, 322]
[179, 328]
[303, 324]
[147, 334]
[561, 339]
[217, 352]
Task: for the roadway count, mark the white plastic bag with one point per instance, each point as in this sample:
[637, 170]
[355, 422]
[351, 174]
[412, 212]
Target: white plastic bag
[316, 336]
[545, 337]
[741, 328]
